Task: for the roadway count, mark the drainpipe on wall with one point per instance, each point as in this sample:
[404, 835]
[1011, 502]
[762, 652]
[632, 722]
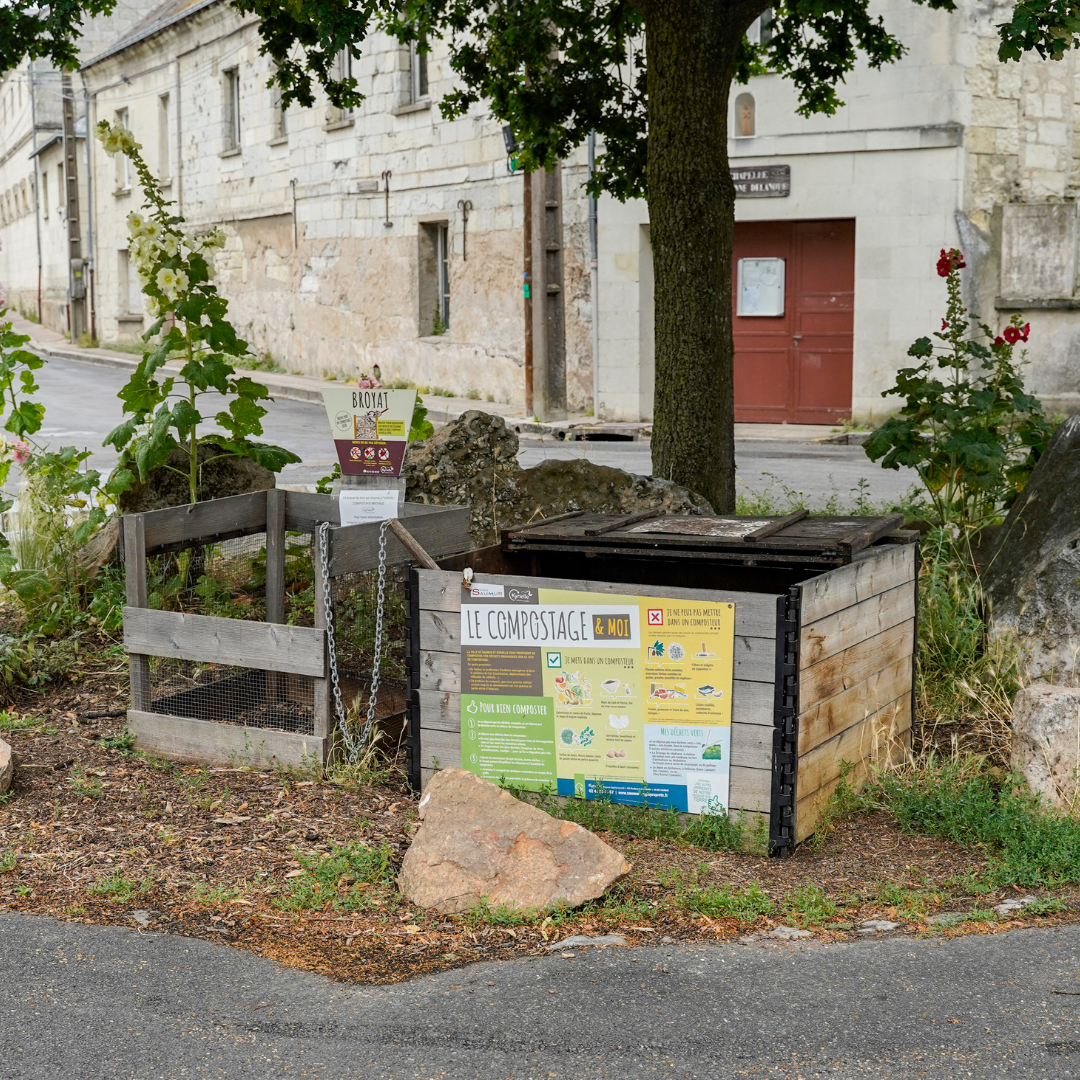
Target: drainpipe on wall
[37, 182]
[594, 284]
[91, 247]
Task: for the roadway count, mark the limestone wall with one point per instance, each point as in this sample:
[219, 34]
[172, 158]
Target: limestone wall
[315, 275]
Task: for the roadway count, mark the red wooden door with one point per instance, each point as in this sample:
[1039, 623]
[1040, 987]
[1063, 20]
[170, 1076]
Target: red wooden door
[796, 367]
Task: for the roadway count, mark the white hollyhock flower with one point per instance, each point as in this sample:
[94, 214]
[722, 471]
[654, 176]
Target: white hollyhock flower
[166, 280]
[151, 230]
[135, 223]
[169, 244]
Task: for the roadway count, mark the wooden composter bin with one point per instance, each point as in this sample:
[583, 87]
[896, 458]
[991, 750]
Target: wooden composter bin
[256, 692]
[825, 631]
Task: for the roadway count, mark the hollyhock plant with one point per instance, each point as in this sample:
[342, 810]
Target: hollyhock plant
[191, 325]
[966, 423]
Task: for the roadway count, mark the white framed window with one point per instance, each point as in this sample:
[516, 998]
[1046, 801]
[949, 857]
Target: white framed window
[164, 156]
[442, 258]
[762, 29]
[418, 71]
[434, 283]
[232, 116]
[123, 162]
[342, 72]
[278, 123]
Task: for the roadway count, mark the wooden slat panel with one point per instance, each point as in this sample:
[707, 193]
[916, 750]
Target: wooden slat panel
[808, 810]
[834, 633]
[844, 670]
[873, 738]
[886, 567]
[195, 521]
[183, 739]
[827, 719]
[439, 530]
[237, 642]
[304, 510]
[755, 613]
[751, 703]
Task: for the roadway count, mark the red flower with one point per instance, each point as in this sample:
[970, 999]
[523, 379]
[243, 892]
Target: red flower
[944, 324]
[999, 340]
[950, 260]
[1012, 334]
[1025, 331]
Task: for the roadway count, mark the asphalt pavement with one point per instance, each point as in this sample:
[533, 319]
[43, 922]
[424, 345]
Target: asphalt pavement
[87, 1002]
[82, 408]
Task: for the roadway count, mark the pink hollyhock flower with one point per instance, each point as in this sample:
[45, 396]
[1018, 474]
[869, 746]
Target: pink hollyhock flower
[20, 451]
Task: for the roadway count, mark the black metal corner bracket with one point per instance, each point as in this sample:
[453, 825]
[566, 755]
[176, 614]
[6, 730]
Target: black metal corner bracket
[412, 677]
[785, 757]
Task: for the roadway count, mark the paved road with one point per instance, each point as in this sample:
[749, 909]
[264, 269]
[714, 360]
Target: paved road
[82, 407]
[88, 1002]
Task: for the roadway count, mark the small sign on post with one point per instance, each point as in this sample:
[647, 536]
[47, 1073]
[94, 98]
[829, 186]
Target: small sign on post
[370, 427]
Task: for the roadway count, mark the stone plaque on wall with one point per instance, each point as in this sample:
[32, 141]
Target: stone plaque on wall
[1038, 250]
[761, 181]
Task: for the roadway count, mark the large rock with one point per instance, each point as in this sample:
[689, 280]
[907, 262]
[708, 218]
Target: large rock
[218, 479]
[477, 842]
[473, 461]
[1046, 742]
[1032, 580]
[6, 769]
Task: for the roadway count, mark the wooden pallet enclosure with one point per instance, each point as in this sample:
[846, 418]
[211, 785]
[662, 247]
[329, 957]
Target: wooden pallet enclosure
[270, 652]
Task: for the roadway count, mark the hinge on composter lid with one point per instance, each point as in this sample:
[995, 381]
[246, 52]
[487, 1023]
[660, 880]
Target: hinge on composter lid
[783, 757]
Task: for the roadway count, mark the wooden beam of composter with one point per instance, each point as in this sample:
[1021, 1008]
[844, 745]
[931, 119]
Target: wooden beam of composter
[774, 527]
[409, 543]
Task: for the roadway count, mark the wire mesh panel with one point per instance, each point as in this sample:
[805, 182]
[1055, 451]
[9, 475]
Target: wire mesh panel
[227, 578]
[232, 695]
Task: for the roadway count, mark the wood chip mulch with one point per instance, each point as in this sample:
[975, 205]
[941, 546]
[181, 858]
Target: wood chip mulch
[98, 834]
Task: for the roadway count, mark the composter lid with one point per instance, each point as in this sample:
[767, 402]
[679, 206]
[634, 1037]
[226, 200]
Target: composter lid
[795, 537]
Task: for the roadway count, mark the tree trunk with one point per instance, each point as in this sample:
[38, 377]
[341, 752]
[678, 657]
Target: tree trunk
[691, 47]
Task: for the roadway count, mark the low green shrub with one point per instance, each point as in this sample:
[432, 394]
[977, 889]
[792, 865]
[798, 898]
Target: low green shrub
[1028, 843]
[337, 880]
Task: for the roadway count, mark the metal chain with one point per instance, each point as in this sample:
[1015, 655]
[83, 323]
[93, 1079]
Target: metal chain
[354, 746]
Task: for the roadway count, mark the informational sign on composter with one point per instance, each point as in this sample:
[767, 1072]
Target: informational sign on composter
[625, 697]
[370, 428]
[359, 505]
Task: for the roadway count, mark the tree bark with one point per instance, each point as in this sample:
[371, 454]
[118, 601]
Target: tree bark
[691, 47]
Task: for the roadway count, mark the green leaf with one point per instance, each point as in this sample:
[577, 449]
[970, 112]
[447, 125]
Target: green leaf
[921, 347]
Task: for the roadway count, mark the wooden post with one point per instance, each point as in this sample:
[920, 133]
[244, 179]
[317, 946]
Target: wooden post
[275, 576]
[322, 689]
[275, 556]
[135, 580]
[548, 316]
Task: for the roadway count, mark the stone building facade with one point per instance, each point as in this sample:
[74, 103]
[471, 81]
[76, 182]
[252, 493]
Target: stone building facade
[947, 147]
[33, 214]
[348, 240]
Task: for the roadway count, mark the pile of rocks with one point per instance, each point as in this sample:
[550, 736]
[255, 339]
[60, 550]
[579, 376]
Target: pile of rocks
[473, 461]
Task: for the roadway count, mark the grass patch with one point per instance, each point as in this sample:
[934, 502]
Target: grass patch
[810, 905]
[10, 722]
[962, 800]
[726, 902]
[338, 880]
[713, 832]
[85, 786]
[202, 892]
[117, 887]
[8, 860]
